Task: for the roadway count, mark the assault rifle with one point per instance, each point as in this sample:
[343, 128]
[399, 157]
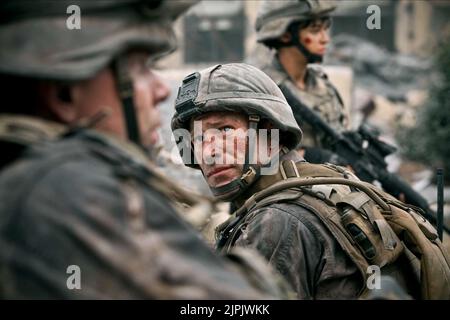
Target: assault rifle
[363, 151]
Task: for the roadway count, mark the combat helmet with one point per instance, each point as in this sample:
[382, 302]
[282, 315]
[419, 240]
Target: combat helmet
[38, 41]
[274, 18]
[237, 88]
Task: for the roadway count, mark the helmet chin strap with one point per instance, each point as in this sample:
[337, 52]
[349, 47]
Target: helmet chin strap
[125, 88]
[310, 57]
[251, 171]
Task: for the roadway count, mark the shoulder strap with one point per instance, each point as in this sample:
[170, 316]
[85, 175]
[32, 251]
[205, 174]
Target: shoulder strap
[302, 182]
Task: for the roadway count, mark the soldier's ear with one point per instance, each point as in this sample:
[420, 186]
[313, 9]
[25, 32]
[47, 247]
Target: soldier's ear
[58, 100]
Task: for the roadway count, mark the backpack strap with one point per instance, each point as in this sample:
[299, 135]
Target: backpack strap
[303, 182]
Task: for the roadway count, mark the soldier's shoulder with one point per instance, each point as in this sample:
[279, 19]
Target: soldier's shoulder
[56, 167]
[320, 78]
[285, 212]
[288, 225]
[73, 172]
[318, 75]
[317, 72]
[62, 156]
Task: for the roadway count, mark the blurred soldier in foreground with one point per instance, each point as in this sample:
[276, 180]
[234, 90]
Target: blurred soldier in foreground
[321, 227]
[298, 33]
[82, 212]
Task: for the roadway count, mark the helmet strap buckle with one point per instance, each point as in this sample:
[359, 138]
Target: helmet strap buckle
[248, 177]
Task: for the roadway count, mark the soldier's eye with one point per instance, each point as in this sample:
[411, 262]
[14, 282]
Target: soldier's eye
[227, 129]
[326, 23]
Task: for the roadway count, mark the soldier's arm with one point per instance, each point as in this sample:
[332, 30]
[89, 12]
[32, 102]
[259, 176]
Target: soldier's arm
[290, 243]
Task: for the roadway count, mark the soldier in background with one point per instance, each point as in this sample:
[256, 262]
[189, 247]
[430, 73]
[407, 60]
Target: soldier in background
[318, 225]
[297, 31]
[83, 214]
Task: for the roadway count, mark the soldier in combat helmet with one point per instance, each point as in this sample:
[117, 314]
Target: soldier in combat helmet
[320, 226]
[297, 32]
[77, 188]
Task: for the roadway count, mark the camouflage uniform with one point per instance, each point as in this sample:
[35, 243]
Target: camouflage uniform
[74, 196]
[319, 95]
[273, 20]
[299, 245]
[283, 227]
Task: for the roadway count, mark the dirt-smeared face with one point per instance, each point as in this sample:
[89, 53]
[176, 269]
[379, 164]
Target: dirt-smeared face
[219, 140]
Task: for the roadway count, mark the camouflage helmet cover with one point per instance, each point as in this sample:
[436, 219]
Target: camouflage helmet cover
[274, 17]
[235, 87]
[36, 41]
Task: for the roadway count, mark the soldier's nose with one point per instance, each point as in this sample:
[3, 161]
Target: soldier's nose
[160, 90]
[209, 151]
[325, 38]
[211, 154]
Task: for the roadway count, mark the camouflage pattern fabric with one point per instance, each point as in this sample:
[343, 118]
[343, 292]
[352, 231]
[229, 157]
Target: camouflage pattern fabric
[75, 198]
[319, 94]
[91, 201]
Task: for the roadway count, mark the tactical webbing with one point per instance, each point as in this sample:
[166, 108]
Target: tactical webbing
[379, 234]
[297, 182]
[288, 169]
